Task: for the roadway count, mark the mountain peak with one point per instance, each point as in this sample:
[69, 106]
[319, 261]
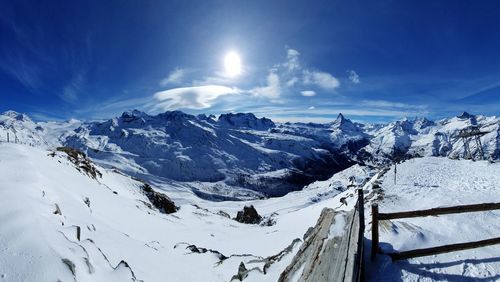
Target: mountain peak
[133, 113]
[340, 118]
[465, 115]
[247, 120]
[17, 116]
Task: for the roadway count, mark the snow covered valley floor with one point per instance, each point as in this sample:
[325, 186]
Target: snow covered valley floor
[44, 200]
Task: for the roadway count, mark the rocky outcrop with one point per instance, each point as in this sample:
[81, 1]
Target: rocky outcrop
[81, 162]
[161, 201]
[248, 215]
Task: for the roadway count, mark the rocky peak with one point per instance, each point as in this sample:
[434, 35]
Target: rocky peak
[245, 120]
[465, 115]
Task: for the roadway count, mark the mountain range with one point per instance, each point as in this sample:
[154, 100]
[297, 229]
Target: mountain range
[240, 156]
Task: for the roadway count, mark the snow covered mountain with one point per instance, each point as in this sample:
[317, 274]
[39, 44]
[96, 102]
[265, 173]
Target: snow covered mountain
[421, 137]
[239, 156]
[237, 150]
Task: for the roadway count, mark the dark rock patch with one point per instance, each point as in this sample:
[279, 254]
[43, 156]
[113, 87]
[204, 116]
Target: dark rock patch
[81, 162]
[161, 201]
[248, 215]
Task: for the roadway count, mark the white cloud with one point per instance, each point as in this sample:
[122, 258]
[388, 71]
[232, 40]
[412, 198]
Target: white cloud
[389, 104]
[292, 81]
[311, 108]
[292, 62]
[273, 88]
[308, 93]
[71, 90]
[321, 79]
[196, 97]
[174, 76]
[353, 76]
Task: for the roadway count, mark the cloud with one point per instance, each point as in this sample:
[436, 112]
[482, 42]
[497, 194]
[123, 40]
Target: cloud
[71, 90]
[391, 105]
[196, 97]
[353, 76]
[174, 76]
[308, 93]
[273, 88]
[292, 81]
[292, 62]
[311, 108]
[321, 79]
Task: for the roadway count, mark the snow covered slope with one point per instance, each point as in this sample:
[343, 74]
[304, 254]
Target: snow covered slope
[434, 182]
[45, 199]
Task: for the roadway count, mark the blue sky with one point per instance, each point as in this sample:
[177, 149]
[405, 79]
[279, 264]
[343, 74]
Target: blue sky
[301, 60]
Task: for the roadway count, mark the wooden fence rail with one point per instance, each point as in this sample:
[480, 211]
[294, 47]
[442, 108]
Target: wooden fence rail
[376, 216]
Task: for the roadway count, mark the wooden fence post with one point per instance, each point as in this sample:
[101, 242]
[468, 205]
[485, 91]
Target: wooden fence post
[374, 231]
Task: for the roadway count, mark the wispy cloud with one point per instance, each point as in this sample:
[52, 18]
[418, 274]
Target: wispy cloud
[174, 76]
[321, 79]
[196, 97]
[353, 76]
[71, 90]
[292, 62]
[273, 88]
[308, 93]
[390, 104]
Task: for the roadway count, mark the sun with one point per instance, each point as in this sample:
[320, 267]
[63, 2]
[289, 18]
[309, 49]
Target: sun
[232, 64]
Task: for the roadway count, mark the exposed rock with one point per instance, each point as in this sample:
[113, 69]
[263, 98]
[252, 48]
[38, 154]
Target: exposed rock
[269, 220]
[224, 214]
[57, 210]
[201, 250]
[71, 265]
[161, 201]
[248, 215]
[81, 162]
[242, 273]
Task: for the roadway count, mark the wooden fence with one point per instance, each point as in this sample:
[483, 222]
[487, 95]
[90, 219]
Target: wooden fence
[327, 257]
[376, 217]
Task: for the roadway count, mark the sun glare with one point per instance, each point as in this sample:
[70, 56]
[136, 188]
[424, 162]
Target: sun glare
[232, 64]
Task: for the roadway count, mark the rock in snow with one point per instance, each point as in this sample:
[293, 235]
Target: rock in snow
[248, 215]
[161, 201]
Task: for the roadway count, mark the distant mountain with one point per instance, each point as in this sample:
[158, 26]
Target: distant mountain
[240, 155]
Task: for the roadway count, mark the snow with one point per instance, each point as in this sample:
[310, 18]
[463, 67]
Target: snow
[36, 244]
[434, 182]
[338, 229]
[212, 167]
